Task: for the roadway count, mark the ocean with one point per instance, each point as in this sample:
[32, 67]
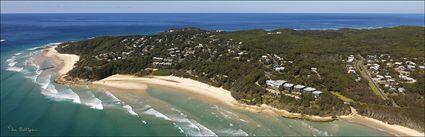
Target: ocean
[33, 104]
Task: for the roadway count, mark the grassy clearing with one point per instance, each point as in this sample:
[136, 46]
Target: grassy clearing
[342, 97]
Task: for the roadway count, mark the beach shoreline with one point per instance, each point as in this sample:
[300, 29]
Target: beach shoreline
[140, 84]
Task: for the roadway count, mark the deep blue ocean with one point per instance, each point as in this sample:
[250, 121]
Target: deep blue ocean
[28, 29]
[30, 99]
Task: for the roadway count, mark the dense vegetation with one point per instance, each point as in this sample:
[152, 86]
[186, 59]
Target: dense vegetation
[232, 60]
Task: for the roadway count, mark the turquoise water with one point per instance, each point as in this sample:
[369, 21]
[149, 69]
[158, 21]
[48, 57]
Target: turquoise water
[30, 99]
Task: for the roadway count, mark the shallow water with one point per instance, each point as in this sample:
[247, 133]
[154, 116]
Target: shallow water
[31, 99]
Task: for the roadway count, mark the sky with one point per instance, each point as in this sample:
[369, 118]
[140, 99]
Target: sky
[212, 7]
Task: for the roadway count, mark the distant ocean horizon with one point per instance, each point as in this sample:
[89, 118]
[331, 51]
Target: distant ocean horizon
[31, 99]
[77, 26]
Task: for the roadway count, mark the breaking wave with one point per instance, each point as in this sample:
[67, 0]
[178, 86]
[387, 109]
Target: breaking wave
[189, 126]
[11, 63]
[93, 101]
[130, 110]
[233, 132]
[155, 113]
[227, 114]
[114, 100]
[318, 131]
[15, 69]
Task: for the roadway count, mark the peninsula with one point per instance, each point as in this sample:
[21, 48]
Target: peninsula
[313, 73]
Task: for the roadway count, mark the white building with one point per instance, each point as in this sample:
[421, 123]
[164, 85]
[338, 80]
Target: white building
[401, 90]
[317, 93]
[288, 86]
[279, 69]
[350, 59]
[276, 84]
[398, 63]
[298, 87]
[309, 89]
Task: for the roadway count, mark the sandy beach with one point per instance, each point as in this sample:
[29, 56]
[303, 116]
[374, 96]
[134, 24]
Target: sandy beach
[396, 130]
[67, 61]
[130, 82]
[140, 84]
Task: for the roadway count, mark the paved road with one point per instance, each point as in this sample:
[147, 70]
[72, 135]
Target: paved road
[365, 74]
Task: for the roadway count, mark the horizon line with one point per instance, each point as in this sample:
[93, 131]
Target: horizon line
[211, 13]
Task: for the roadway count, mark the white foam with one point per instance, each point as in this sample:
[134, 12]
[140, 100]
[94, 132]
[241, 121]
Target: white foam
[11, 63]
[115, 100]
[49, 90]
[10, 60]
[233, 132]
[2, 40]
[204, 131]
[321, 133]
[93, 102]
[15, 69]
[46, 45]
[180, 129]
[155, 113]
[227, 114]
[190, 127]
[38, 72]
[67, 94]
[130, 110]
[43, 82]
[17, 54]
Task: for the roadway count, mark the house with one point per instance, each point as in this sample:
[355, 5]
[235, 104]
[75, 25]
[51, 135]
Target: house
[168, 60]
[162, 63]
[358, 79]
[405, 78]
[276, 84]
[309, 89]
[317, 93]
[351, 71]
[411, 63]
[380, 77]
[411, 67]
[288, 86]
[374, 67]
[392, 89]
[298, 87]
[157, 59]
[279, 69]
[350, 59]
[390, 80]
[401, 90]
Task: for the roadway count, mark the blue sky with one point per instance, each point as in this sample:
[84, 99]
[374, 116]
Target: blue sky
[212, 7]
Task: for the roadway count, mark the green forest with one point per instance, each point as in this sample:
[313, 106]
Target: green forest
[235, 61]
